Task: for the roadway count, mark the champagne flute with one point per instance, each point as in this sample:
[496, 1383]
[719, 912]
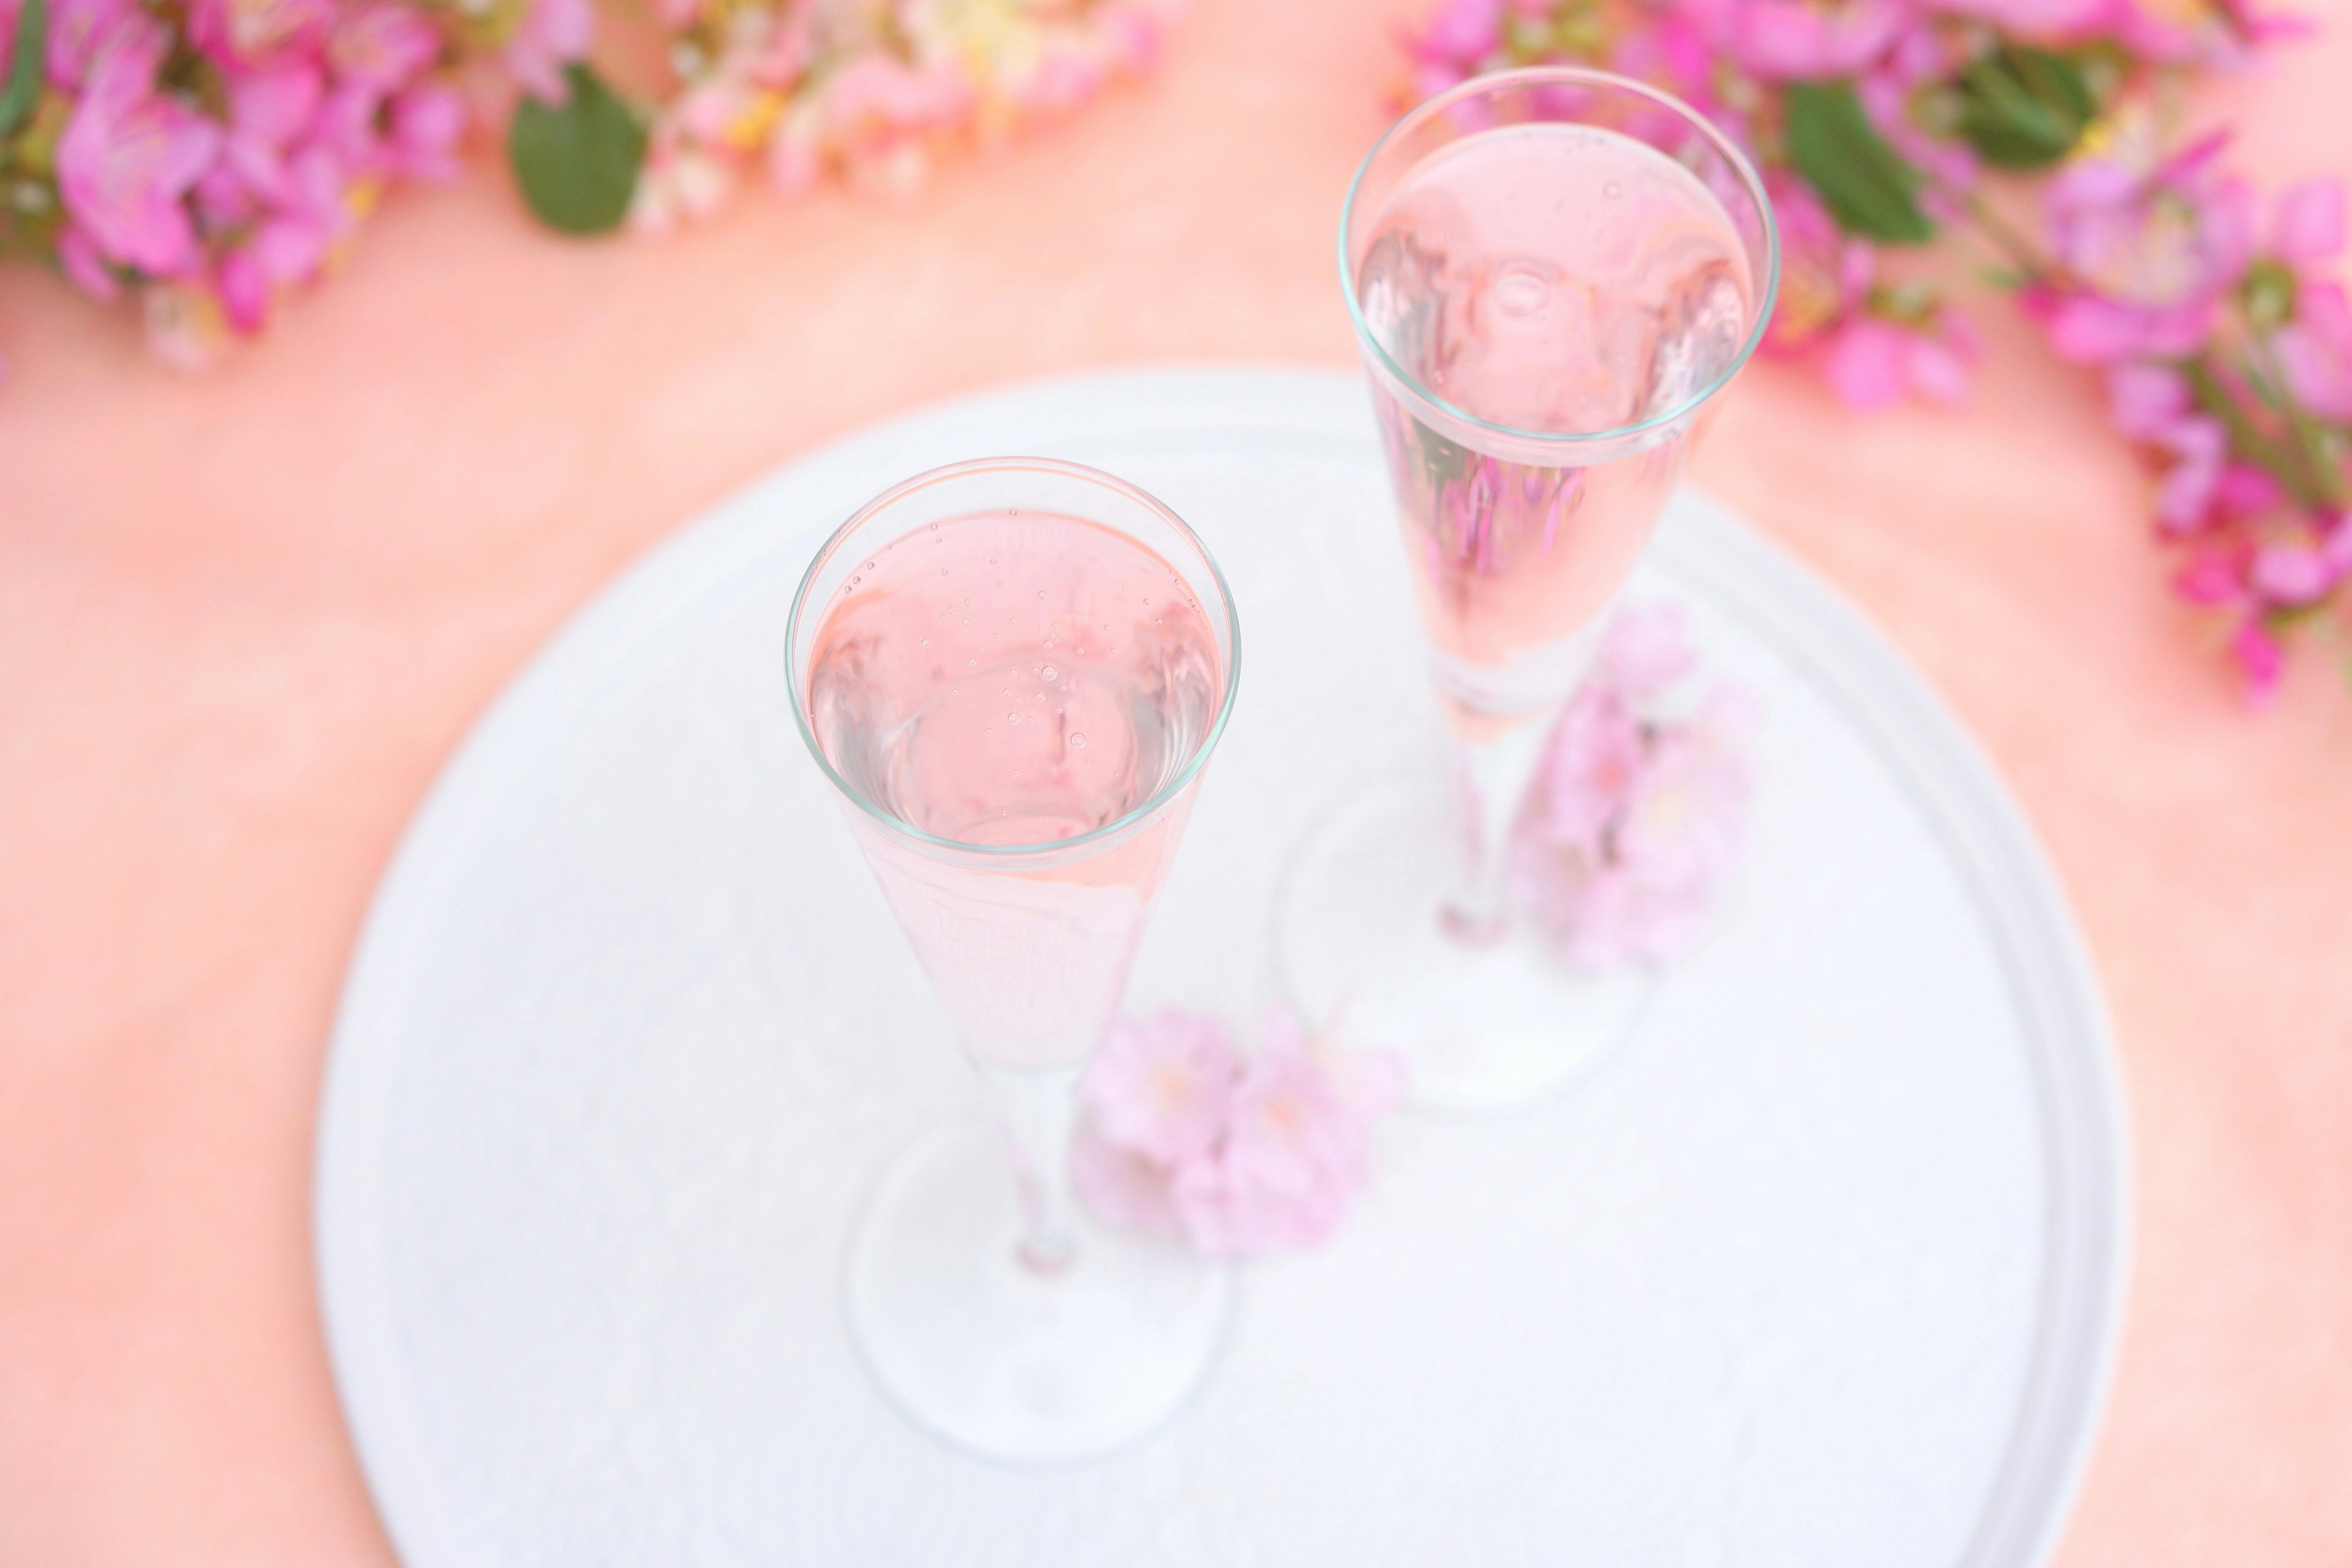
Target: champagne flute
[1013, 671]
[1553, 273]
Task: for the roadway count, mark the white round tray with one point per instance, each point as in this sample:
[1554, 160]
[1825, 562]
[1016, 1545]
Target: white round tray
[1825, 1268]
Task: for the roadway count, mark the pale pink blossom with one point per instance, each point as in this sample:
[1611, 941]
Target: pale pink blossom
[1793, 40]
[1874, 361]
[427, 121]
[1239, 1156]
[2295, 574]
[129, 157]
[2148, 255]
[1596, 752]
[1294, 1156]
[1639, 808]
[1164, 1085]
[551, 35]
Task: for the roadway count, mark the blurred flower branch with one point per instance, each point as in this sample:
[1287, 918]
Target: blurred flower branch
[204, 159]
[2044, 129]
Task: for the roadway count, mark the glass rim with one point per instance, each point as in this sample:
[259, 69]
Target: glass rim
[1563, 76]
[1167, 791]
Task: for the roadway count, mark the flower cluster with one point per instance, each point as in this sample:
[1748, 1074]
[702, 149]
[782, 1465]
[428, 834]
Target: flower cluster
[1640, 806]
[870, 91]
[1238, 1155]
[209, 157]
[1880, 124]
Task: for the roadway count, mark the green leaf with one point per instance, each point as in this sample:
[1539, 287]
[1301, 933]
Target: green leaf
[24, 87]
[577, 162]
[1868, 188]
[2024, 108]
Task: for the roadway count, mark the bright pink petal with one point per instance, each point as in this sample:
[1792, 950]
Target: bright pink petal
[2259, 659]
[84, 267]
[2291, 573]
[2143, 399]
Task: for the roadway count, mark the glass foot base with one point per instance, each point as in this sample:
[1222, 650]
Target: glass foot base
[1005, 1362]
[1485, 1025]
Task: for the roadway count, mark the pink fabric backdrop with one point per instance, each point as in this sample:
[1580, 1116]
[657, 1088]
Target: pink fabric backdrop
[242, 623]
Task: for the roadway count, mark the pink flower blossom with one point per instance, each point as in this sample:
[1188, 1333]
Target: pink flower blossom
[129, 157]
[427, 122]
[1686, 820]
[269, 111]
[1295, 1154]
[2152, 405]
[1184, 1136]
[1464, 31]
[2259, 657]
[244, 287]
[2245, 492]
[553, 34]
[1874, 362]
[2296, 574]
[1637, 812]
[378, 46]
[242, 32]
[1165, 1085]
[878, 96]
[1806, 40]
[1593, 757]
[2314, 351]
[79, 30]
[2149, 255]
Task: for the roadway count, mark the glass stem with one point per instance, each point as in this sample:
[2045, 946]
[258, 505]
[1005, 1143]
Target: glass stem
[1497, 773]
[1040, 1110]
[1499, 758]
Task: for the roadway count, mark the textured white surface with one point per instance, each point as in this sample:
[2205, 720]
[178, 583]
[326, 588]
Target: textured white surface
[1822, 1270]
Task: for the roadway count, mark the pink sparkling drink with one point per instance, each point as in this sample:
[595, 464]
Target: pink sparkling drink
[1543, 279]
[1009, 678]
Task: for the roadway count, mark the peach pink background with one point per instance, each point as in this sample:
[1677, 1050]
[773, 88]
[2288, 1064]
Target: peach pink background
[242, 623]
